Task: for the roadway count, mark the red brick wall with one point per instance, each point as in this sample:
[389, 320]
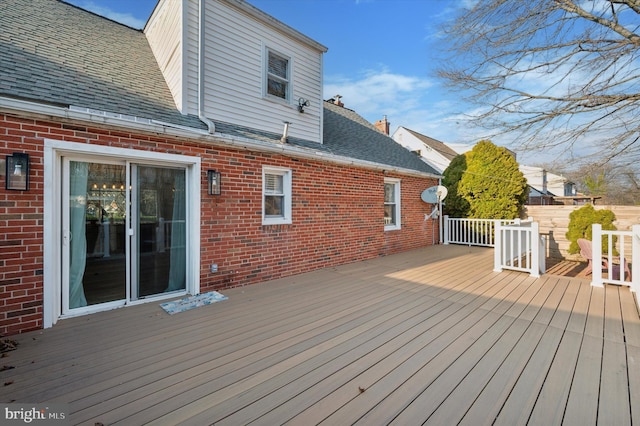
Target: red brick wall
[337, 215]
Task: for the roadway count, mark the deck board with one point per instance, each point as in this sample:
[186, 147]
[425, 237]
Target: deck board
[429, 336]
[614, 376]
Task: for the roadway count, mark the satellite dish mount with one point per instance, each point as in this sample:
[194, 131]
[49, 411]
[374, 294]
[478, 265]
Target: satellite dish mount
[434, 195]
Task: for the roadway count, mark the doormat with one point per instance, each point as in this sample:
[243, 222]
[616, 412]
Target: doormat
[192, 302]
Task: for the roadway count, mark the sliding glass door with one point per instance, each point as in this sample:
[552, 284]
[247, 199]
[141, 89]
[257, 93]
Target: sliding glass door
[123, 232]
[159, 218]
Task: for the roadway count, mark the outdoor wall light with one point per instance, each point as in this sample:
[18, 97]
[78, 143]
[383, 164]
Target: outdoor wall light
[213, 182]
[302, 102]
[17, 172]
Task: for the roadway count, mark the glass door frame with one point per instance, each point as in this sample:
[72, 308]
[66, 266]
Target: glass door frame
[54, 151]
[66, 238]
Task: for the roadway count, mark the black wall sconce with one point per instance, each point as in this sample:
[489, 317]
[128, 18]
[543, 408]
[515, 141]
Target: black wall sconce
[213, 182]
[302, 102]
[17, 172]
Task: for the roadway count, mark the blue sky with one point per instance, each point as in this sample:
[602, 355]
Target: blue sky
[381, 55]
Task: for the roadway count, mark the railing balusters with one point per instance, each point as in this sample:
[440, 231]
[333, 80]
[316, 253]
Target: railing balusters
[626, 239]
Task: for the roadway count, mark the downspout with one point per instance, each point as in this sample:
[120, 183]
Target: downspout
[210, 124]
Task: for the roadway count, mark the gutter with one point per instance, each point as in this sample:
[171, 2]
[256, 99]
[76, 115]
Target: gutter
[219, 139]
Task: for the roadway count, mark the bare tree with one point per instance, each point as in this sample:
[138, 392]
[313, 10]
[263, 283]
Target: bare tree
[614, 184]
[557, 74]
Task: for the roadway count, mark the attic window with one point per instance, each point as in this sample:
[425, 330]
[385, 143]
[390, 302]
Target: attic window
[278, 75]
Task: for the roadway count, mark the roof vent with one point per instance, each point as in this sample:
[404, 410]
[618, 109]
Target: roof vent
[285, 132]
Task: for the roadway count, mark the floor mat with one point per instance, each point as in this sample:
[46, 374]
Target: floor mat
[191, 302]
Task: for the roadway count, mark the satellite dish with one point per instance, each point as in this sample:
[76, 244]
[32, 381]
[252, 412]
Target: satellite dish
[434, 194]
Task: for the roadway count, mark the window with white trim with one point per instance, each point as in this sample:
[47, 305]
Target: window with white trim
[277, 75]
[391, 204]
[276, 196]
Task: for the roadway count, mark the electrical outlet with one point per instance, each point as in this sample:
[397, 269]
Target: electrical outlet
[214, 267]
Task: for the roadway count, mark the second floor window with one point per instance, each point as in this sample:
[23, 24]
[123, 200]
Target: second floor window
[278, 75]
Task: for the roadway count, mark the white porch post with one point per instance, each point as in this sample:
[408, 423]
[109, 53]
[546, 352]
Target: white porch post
[596, 248]
[535, 250]
[445, 229]
[497, 249]
[542, 243]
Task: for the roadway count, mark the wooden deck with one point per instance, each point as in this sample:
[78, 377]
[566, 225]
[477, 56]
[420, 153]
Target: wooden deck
[431, 336]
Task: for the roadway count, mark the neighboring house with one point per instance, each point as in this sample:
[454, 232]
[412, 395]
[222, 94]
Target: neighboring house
[435, 153]
[547, 188]
[195, 155]
[544, 187]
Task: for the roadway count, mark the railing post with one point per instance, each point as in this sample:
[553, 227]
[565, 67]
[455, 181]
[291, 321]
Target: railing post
[497, 249]
[445, 229]
[635, 261]
[596, 254]
[543, 254]
[535, 250]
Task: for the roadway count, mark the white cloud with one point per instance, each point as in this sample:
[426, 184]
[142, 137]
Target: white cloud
[418, 104]
[378, 92]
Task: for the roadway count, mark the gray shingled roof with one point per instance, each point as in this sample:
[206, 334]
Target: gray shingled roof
[56, 53]
[346, 133]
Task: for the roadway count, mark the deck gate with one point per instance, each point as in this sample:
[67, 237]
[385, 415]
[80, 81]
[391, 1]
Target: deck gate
[626, 240]
[519, 247]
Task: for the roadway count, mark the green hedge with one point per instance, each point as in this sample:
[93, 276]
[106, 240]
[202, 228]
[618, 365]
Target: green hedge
[580, 222]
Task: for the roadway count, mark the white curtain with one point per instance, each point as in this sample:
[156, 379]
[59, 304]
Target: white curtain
[177, 260]
[78, 175]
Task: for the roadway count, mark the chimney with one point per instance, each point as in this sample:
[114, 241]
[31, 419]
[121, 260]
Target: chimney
[336, 100]
[383, 125]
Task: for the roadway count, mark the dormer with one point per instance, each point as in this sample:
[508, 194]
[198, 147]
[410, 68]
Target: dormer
[229, 62]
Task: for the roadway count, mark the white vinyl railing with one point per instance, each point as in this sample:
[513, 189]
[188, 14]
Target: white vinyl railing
[473, 232]
[519, 247]
[617, 272]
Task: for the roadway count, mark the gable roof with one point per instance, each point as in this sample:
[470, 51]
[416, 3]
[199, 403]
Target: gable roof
[54, 53]
[434, 144]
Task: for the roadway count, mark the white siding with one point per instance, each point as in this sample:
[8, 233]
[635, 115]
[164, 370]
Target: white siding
[235, 43]
[191, 61]
[556, 184]
[534, 176]
[164, 33]
[429, 155]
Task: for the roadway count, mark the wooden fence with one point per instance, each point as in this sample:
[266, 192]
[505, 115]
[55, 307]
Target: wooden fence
[554, 224]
